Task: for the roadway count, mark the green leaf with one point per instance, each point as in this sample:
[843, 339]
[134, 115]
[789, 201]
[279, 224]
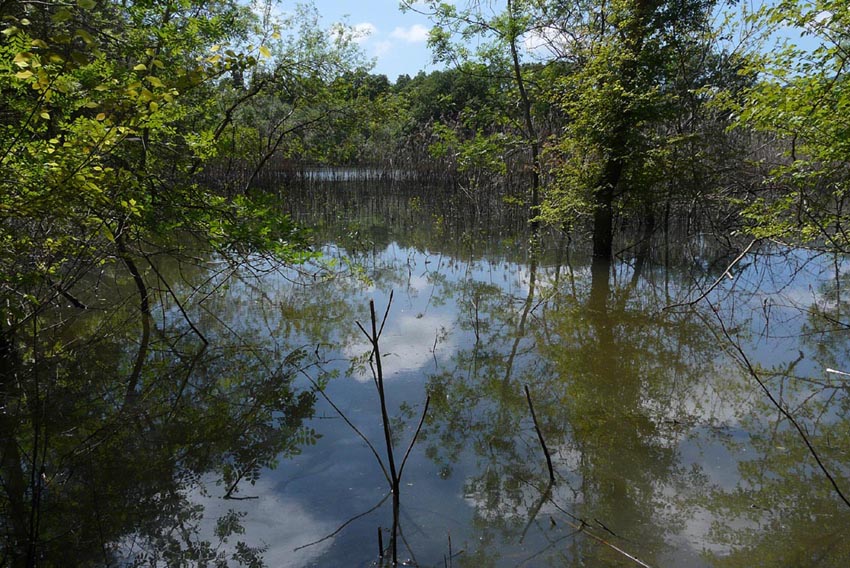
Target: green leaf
[62, 15]
[22, 59]
[85, 36]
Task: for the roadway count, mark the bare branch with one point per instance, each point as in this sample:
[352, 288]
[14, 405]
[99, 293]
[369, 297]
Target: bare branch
[726, 274]
[752, 372]
[415, 435]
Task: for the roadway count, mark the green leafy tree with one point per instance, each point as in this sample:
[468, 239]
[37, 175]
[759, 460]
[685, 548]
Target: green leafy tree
[502, 60]
[107, 117]
[108, 113]
[630, 104]
[800, 100]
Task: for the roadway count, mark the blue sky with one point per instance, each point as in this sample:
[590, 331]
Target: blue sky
[396, 41]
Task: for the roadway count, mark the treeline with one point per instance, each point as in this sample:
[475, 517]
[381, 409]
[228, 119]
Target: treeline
[632, 113]
[593, 115]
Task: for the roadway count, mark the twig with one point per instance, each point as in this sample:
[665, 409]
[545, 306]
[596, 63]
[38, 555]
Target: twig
[415, 435]
[540, 437]
[726, 274]
[547, 493]
[583, 527]
[177, 301]
[350, 424]
[601, 540]
[386, 313]
[342, 526]
[752, 372]
[378, 375]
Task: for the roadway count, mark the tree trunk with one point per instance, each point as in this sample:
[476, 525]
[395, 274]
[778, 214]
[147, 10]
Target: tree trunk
[531, 131]
[603, 214]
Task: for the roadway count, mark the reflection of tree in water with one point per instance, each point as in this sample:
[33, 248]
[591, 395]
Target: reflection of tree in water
[621, 375]
[614, 390]
[101, 474]
[783, 511]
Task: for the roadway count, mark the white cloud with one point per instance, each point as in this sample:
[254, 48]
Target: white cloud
[546, 41]
[271, 520]
[823, 17]
[279, 522]
[416, 33]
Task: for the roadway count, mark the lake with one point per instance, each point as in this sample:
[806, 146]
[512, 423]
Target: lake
[691, 413]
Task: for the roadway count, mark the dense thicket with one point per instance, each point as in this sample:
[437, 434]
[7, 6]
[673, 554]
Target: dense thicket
[109, 114]
[638, 111]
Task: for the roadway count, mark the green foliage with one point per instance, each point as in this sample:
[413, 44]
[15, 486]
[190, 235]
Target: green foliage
[631, 105]
[305, 100]
[108, 113]
[480, 151]
[110, 110]
[802, 99]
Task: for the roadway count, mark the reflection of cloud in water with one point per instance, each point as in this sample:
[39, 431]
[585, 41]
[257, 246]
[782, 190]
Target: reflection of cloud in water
[720, 399]
[279, 523]
[407, 343]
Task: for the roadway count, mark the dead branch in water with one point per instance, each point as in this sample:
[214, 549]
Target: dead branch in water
[540, 437]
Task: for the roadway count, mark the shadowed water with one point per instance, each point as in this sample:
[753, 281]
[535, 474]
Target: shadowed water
[666, 450]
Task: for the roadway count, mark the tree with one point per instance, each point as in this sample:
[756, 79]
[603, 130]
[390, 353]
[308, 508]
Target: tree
[297, 102]
[635, 66]
[108, 112]
[501, 56]
[800, 99]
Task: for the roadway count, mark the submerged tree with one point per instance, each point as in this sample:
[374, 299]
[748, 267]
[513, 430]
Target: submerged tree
[631, 100]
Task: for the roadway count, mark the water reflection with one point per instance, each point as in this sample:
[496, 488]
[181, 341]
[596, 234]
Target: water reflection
[616, 388]
[783, 510]
[651, 422]
[664, 448]
[102, 466]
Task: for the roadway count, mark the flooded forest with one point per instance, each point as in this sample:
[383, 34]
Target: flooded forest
[575, 297]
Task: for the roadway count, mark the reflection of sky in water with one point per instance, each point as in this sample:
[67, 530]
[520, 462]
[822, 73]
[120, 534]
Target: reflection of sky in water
[701, 422]
[407, 344]
[276, 521]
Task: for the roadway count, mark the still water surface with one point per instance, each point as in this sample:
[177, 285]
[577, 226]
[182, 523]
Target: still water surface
[666, 450]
